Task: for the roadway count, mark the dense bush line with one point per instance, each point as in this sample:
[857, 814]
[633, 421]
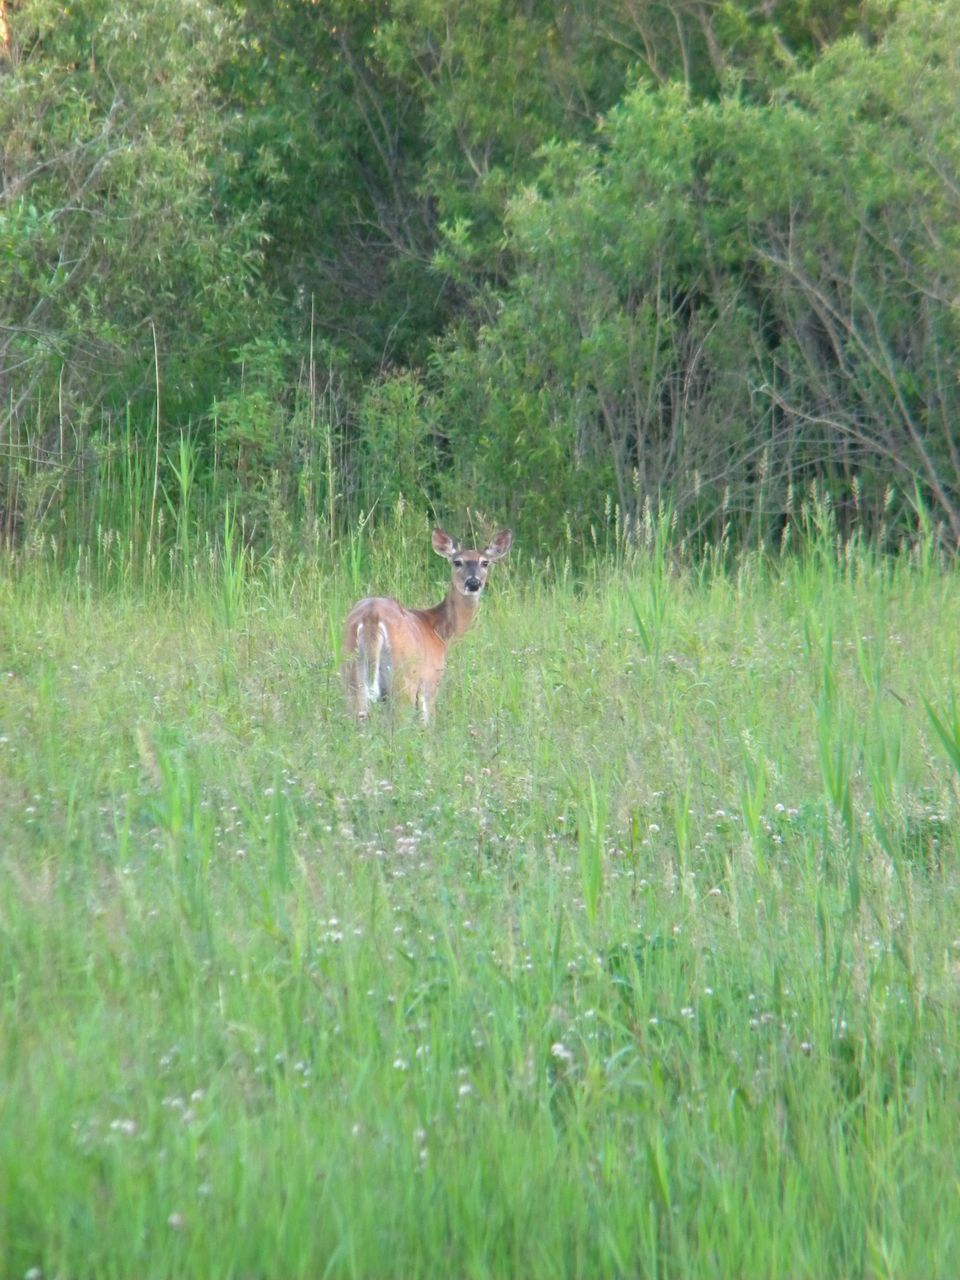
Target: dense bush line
[551, 260]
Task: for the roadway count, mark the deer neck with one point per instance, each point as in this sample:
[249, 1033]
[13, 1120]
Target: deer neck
[453, 615]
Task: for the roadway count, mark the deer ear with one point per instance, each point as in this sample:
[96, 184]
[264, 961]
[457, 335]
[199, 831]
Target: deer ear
[500, 545]
[443, 544]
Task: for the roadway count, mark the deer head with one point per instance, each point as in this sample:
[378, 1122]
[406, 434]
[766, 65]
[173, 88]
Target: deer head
[470, 568]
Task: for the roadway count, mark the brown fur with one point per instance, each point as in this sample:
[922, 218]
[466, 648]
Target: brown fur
[389, 647]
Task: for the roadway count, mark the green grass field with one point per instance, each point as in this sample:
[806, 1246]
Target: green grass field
[643, 960]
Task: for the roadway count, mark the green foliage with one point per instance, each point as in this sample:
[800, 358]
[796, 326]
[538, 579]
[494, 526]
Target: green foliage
[730, 295]
[948, 729]
[383, 142]
[329, 151]
[397, 455]
[110, 228]
[559, 263]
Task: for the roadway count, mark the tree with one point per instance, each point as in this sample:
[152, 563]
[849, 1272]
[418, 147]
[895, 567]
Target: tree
[718, 294]
[118, 260]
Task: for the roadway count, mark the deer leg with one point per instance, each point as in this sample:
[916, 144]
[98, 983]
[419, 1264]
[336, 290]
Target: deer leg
[423, 700]
[355, 688]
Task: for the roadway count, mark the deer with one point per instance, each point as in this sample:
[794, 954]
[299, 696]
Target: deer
[386, 644]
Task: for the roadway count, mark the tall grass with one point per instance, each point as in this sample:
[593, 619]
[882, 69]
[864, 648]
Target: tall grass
[640, 961]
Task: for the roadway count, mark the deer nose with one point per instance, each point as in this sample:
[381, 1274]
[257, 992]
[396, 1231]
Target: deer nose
[473, 584]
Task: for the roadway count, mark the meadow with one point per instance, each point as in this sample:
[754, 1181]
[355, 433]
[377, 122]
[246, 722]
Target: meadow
[642, 960]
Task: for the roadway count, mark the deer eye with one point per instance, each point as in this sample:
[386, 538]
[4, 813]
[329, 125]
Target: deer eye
[484, 564]
[458, 564]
